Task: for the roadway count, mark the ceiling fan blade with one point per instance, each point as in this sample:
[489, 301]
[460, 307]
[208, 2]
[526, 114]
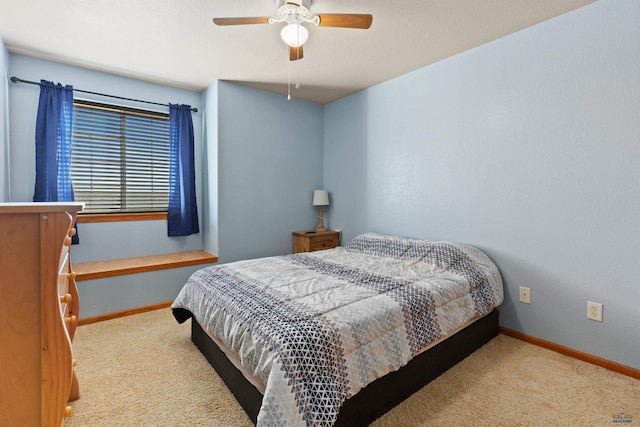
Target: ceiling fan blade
[241, 21]
[346, 20]
[295, 53]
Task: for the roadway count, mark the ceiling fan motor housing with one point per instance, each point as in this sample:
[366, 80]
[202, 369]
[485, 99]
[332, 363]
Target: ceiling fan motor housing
[303, 3]
[298, 8]
[293, 12]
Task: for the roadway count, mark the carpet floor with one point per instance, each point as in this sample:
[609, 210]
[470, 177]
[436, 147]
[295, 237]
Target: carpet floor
[143, 370]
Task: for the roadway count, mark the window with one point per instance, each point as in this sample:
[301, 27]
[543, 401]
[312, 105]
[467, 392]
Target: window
[120, 158]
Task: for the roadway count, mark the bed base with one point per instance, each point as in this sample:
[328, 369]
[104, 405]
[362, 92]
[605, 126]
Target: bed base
[378, 397]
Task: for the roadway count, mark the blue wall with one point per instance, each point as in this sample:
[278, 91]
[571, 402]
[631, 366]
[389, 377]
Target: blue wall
[209, 213]
[269, 157]
[528, 148]
[107, 240]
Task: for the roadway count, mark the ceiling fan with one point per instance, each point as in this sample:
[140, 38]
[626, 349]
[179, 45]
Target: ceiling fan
[295, 13]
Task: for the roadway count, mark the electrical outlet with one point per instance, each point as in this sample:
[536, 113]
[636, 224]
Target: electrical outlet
[525, 295]
[594, 311]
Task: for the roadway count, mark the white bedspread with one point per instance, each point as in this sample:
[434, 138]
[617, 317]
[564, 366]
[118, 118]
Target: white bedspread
[317, 327]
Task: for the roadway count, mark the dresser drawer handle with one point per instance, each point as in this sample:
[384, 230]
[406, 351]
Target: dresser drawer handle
[70, 319]
[67, 241]
[66, 299]
[67, 411]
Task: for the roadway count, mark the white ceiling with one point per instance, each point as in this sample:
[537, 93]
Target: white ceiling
[175, 43]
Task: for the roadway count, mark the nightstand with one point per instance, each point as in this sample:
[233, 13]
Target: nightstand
[309, 241]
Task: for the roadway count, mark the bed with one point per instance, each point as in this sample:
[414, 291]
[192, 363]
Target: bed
[340, 336]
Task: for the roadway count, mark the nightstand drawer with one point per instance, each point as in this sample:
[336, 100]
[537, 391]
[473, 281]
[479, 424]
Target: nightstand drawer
[321, 243]
[304, 241]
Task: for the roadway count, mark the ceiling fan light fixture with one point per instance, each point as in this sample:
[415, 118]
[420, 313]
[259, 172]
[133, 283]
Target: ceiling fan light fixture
[294, 34]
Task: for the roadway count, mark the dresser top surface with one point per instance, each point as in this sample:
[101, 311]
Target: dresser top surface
[36, 207]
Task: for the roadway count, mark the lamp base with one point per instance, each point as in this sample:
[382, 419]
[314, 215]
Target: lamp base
[320, 226]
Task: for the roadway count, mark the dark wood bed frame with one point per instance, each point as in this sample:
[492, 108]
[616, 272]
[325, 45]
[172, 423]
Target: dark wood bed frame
[378, 397]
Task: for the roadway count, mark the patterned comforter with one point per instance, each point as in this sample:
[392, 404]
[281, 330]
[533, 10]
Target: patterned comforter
[315, 328]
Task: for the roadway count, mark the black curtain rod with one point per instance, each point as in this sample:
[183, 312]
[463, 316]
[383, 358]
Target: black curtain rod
[17, 80]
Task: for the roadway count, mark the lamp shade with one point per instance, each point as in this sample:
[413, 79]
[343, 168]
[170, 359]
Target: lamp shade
[320, 198]
[294, 35]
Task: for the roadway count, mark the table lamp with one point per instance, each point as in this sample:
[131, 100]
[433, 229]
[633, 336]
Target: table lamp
[320, 199]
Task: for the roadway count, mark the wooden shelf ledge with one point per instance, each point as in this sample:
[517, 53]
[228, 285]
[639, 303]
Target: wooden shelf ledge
[119, 267]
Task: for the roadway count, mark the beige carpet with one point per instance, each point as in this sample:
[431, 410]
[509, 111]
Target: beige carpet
[143, 370]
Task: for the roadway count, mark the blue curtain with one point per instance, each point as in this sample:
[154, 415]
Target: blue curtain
[53, 145]
[182, 216]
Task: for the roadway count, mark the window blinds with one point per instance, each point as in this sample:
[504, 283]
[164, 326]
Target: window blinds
[120, 158]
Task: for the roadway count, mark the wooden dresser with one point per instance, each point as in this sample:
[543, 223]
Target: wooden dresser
[38, 313]
[309, 241]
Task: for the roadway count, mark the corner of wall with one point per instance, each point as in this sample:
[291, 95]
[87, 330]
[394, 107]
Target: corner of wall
[210, 169]
[5, 175]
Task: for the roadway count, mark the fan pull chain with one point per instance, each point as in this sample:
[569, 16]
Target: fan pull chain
[289, 81]
[297, 86]
[297, 58]
[297, 71]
